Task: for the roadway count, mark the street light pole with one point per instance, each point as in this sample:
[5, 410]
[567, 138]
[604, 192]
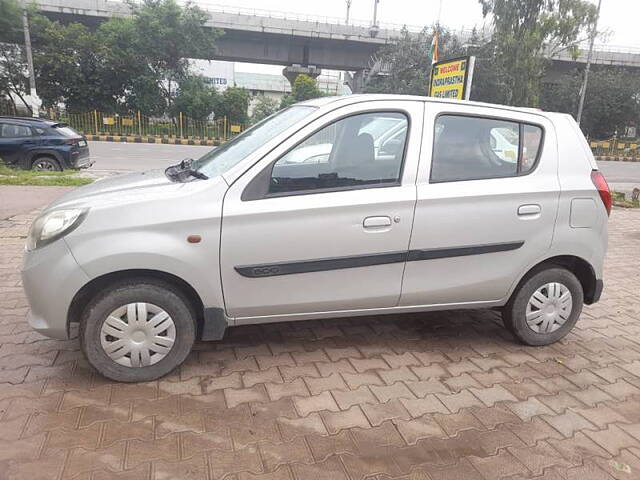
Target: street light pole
[375, 12]
[35, 101]
[348, 10]
[583, 91]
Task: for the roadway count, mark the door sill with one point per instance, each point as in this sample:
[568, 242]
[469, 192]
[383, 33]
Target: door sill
[290, 317]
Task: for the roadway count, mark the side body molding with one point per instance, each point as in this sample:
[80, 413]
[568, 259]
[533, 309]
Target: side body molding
[355, 261]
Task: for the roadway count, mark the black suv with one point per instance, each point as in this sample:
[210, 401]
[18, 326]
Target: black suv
[39, 144]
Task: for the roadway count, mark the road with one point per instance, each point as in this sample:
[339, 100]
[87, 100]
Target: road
[121, 157]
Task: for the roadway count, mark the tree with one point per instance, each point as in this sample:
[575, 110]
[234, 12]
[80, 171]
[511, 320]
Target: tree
[163, 35]
[406, 63]
[234, 104]
[264, 106]
[70, 67]
[13, 68]
[304, 88]
[195, 98]
[132, 63]
[525, 33]
[13, 77]
[612, 100]
[10, 21]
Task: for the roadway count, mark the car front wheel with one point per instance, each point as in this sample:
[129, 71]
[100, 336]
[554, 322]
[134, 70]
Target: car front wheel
[545, 306]
[137, 331]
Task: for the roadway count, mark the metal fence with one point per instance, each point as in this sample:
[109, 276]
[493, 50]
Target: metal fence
[615, 147]
[139, 125]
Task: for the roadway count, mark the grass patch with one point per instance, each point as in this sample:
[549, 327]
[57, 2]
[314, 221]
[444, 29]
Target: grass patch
[620, 200]
[66, 178]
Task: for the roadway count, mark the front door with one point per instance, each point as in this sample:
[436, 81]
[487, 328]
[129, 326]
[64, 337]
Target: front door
[323, 222]
[487, 201]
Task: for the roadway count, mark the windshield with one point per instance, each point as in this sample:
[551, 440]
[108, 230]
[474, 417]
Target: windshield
[221, 159]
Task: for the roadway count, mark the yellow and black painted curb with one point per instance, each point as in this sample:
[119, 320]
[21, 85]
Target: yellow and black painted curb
[153, 139]
[617, 158]
[615, 144]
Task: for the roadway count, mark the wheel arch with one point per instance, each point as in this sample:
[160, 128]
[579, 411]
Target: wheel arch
[582, 269]
[35, 154]
[89, 290]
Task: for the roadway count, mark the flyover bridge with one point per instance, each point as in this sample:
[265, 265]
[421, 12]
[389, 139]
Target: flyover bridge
[278, 38]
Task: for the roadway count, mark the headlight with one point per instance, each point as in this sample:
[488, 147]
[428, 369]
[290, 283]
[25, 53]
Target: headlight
[53, 225]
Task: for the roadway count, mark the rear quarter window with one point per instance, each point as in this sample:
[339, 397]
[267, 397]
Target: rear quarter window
[67, 131]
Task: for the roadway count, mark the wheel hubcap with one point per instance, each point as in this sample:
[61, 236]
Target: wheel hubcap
[45, 165]
[549, 308]
[138, 334]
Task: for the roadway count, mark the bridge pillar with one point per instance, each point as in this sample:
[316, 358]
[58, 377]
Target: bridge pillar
[356, 81]
[292, 71]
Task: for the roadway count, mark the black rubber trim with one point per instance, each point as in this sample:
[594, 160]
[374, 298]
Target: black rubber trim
[214, 325]
[597, 293]
[308, 266]
[433, 254]
[338, 263]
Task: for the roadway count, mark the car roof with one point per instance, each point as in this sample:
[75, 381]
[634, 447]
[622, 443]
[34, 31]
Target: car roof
[362, 97]
[45, 122]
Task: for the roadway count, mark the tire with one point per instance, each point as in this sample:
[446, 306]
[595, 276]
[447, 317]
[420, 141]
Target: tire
[555, 320]
[46, 163]
[154, 294]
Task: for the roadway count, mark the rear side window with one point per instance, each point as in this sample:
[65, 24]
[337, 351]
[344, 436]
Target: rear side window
[473, 148]
[8, 130]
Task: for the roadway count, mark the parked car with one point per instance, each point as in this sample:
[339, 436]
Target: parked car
[147, 263]
[39, 144]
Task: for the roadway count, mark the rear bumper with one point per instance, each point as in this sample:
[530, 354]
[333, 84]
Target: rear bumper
[81, 158]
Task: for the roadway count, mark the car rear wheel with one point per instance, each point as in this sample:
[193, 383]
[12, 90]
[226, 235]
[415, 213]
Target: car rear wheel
[46, 164]
[545, 306]
[137, 331]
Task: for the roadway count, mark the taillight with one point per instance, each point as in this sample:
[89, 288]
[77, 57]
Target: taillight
[603, 189]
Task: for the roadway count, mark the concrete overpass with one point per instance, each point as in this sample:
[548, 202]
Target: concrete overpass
[278, 38]
[257, 38]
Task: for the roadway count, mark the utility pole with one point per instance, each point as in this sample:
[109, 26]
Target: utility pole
[375, 12]
[35, 100]
[348, 10]
[583, 91]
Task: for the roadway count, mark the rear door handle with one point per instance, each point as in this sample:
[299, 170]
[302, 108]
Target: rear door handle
[376, 222]
[531, 209]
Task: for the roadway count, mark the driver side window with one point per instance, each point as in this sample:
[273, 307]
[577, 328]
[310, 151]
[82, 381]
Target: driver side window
[358, 151]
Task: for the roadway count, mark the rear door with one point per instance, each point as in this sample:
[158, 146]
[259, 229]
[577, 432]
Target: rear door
[15, 140]
[323, 222]
[487, 198]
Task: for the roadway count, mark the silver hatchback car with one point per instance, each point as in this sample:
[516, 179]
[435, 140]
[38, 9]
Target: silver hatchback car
[357, 205]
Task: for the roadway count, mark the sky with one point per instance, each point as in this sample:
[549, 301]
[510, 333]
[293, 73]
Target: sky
[619, 18]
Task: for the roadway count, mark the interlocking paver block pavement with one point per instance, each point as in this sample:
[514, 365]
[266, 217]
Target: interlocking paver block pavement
[434, 396]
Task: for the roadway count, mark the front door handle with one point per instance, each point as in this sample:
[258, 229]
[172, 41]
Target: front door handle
[376, 222]
[531, 209]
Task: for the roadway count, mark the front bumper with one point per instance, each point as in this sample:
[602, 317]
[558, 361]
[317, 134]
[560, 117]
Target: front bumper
[51, 277]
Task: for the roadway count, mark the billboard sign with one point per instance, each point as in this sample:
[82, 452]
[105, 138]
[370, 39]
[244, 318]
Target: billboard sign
[452, 78]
